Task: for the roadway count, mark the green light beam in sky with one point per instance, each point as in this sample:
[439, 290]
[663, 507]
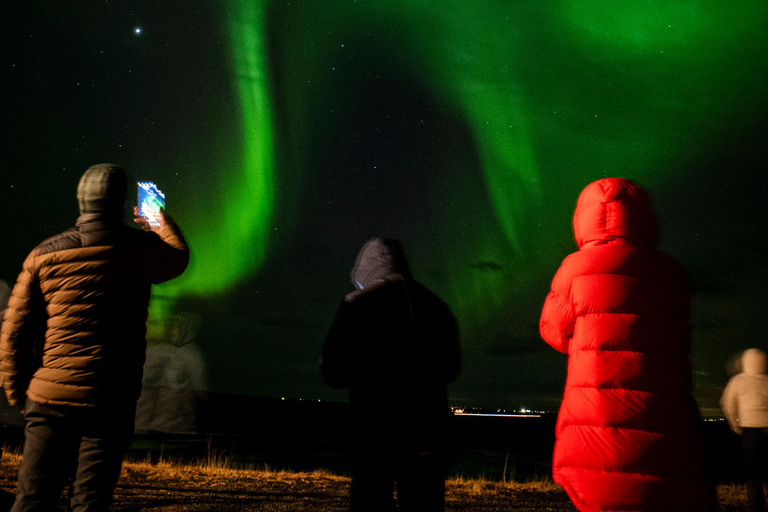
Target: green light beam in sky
[232, 243]
[554, 97]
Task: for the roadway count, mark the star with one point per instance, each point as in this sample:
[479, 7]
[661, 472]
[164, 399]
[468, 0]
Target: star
[137, 31]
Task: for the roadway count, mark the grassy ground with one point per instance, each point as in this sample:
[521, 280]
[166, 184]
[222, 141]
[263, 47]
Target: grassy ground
[213, 486]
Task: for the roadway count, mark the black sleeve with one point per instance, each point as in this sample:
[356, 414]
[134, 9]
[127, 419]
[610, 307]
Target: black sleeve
[337, 359]
[452, 362]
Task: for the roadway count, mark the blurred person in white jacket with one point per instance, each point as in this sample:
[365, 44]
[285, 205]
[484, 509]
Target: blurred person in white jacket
[5, 294]
[745, 405]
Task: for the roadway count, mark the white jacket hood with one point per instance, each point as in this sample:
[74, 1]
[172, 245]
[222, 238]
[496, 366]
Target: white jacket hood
[754, 362]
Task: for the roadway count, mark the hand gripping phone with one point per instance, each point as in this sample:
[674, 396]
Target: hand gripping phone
[151, 201]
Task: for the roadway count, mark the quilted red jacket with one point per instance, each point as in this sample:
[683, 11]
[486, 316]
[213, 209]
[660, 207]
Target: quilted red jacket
[629, 432]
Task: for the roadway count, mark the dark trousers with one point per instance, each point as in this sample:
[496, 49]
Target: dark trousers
[62, 442]
[755, 444]
[419, 478]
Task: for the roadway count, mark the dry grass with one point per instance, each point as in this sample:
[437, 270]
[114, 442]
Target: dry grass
[215, 483]
[471, 486]
[204, 474]
[214, 467]
[732, 497]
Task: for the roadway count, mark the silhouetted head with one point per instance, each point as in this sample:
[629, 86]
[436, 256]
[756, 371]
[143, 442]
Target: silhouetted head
[379, 257]
[614, 209]
[103, 189]
[754, 362]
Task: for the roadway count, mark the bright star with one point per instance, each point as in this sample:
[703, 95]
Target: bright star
[137, 30]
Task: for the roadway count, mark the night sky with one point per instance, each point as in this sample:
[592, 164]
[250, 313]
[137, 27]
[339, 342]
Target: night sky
[287, 133]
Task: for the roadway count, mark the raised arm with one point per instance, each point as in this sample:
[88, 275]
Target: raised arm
[172, 253]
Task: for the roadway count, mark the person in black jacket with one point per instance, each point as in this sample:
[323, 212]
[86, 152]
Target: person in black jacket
[395, 345]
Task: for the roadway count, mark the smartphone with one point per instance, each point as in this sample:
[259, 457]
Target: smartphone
[151, 201]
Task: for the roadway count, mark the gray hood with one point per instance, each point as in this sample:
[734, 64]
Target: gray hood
[379, 258]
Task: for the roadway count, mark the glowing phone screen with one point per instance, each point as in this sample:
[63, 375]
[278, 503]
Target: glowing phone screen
[151, 201]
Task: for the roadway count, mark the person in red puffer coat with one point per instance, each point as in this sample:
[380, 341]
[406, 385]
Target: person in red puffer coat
[629, 434]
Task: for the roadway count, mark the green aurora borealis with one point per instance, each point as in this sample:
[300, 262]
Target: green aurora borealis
[286, 133]
[570, 90]
[247, 193]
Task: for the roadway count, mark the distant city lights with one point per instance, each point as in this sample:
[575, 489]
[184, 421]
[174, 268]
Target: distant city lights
[498, 413]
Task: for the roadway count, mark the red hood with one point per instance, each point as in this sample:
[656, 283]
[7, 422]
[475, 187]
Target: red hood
[614, 210]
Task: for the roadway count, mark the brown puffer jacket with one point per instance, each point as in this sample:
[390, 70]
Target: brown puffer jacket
[74, 331]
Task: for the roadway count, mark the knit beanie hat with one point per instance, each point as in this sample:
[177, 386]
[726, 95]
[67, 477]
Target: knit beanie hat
[102, 189]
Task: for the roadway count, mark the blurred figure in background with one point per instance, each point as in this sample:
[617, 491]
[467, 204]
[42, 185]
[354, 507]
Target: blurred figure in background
[745, 405]
[5, 294]
[629, 433]
[174, 382]
[395, 345]
[73, 341]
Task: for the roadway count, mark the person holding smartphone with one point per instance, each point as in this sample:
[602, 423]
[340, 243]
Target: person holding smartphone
[72, 344]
